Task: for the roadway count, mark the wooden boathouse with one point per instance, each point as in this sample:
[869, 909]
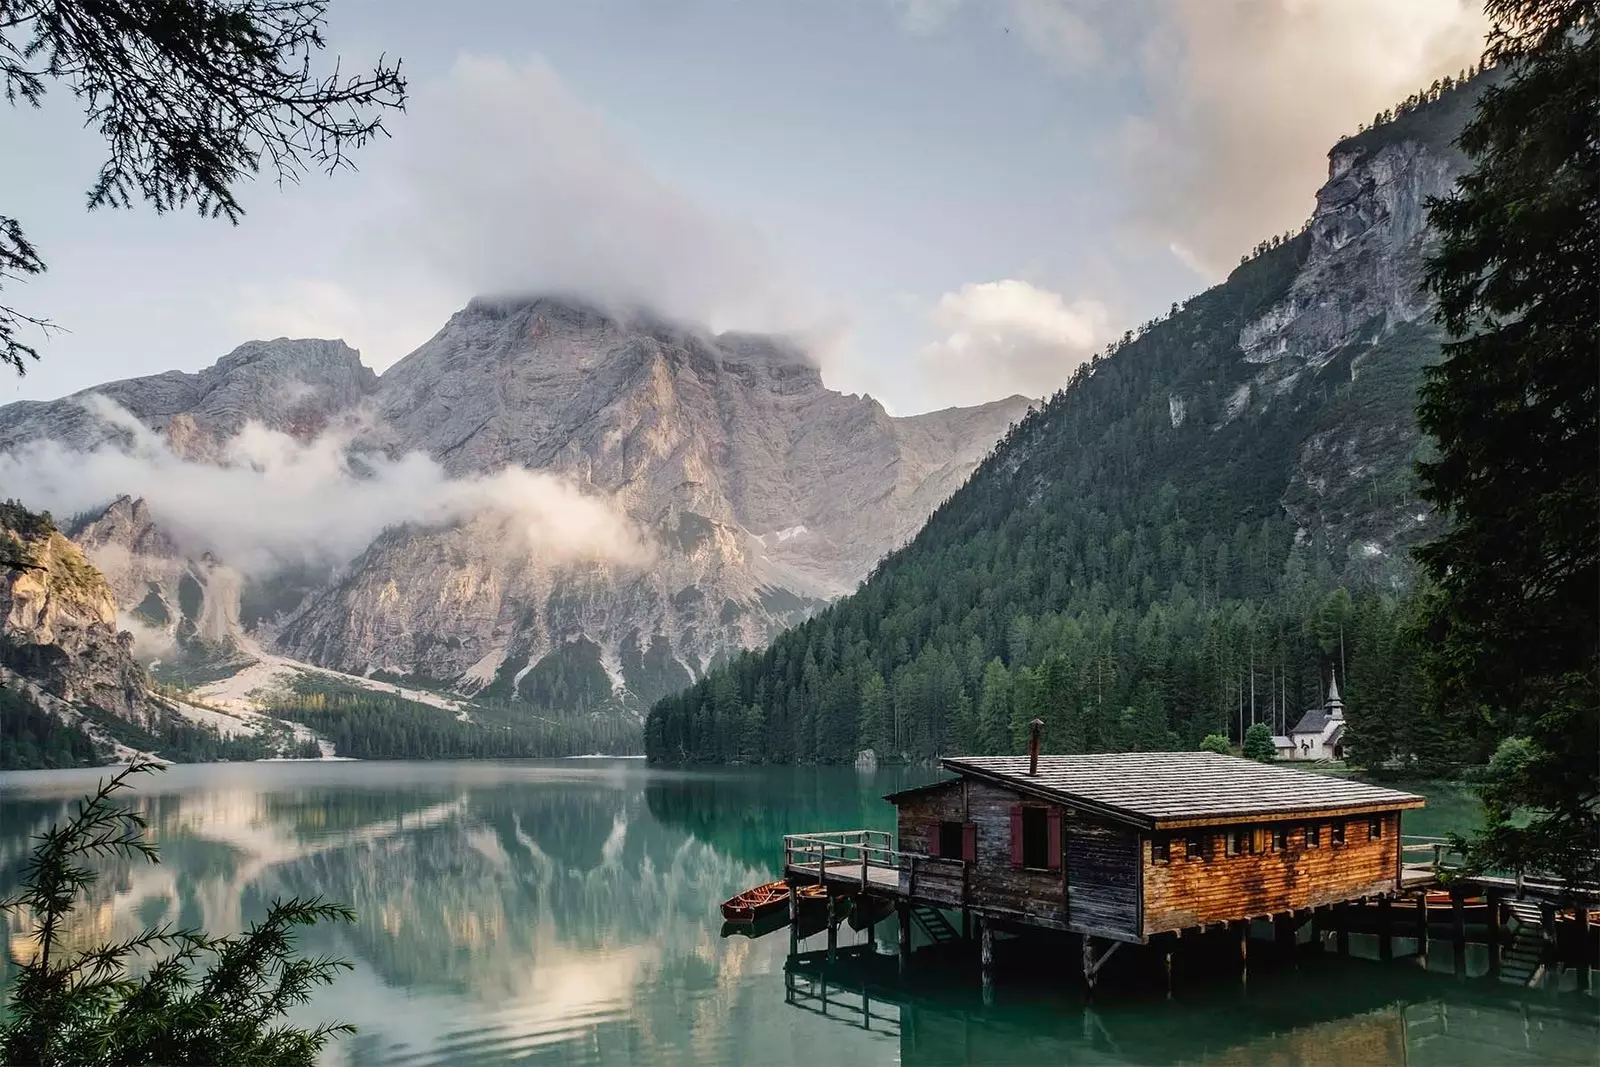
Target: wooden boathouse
[1119, 849]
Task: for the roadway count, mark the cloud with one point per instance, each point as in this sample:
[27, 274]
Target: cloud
[274, 500]
[383, 326]
[1005, 337]
[1247, 98]
[923, 17]
[1059, 32]
[512, 184]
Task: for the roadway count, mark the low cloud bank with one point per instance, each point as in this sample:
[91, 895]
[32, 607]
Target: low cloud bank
[274, 501]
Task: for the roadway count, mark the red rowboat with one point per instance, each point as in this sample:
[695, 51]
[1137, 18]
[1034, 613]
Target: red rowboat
[766, 900]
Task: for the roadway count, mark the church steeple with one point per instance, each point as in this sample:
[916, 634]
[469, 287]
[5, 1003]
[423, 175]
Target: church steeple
[1334, 704]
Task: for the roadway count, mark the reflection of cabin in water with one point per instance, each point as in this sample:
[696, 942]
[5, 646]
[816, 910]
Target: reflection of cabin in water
[1126, 846]
[1319, 735]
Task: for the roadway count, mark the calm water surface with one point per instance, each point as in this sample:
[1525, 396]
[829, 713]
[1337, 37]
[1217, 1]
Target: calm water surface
[566, 913]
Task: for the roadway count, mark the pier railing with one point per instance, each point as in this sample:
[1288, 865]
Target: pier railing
[842, 853]
[1423, 858]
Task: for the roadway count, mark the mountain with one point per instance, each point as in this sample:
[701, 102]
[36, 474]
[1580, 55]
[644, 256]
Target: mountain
[761, 493]
[71, 690]
[1189, 538]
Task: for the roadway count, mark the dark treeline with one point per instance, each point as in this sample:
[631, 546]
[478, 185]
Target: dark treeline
[372, 725]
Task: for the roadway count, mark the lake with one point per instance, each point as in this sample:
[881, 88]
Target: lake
[565, 912]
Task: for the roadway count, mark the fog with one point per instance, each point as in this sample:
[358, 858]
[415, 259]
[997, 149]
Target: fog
[273, 500]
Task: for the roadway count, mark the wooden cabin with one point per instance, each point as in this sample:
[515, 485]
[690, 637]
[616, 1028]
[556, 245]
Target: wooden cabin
[1125, 846]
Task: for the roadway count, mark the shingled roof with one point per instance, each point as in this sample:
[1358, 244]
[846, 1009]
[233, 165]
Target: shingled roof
[1312, 722]
[1152, 789]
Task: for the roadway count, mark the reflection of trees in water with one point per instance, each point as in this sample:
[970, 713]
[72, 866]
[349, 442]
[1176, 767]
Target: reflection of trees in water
[746, 813]
[1325, 1010]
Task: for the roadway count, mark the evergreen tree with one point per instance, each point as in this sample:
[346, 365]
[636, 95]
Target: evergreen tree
[1515, 410]
[1258, 743]
[1216, 743]
[994, 710]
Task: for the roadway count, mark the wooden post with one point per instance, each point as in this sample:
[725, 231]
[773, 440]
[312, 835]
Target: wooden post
[1493, 896]
[1385, 930]
[1341, 927]
[1242, 927]
[966, 925]
[1166, 965]
[794, 919]
[1458, 931]
[904, 908]
[1547, 923]
[1283, 934]
[1422, 927]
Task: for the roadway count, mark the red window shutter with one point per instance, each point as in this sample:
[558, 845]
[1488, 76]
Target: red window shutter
[933, 839]
[1054, 839]
[969, 842]
[1016, 835]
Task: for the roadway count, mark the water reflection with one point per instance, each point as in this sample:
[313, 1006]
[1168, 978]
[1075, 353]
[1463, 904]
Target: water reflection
[566, 913]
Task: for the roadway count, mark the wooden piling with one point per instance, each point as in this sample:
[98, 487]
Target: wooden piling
[1421, 932]
[1242, 931]
[794, 919]
[833, 926]
[1385, 930]
[903, 909]
[1166, 966]
[1341, 927]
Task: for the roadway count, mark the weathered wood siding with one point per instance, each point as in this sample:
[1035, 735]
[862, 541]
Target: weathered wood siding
[1102, 879]
[1183, 893]
[992, 885]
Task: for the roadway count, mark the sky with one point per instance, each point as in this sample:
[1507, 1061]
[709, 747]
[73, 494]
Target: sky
[946, 201]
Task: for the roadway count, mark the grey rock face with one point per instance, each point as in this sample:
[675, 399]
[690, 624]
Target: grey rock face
[1358, 298]
[766, 492]
[294, 386]
[58, 630]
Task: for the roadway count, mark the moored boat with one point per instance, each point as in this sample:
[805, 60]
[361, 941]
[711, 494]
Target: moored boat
[765, 900]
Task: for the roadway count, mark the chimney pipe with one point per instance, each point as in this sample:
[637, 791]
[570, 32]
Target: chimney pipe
[1033, 746]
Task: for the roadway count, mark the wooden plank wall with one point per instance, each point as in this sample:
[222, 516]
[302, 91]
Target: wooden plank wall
[1102, 879]
[1184, 893]
[993, 885]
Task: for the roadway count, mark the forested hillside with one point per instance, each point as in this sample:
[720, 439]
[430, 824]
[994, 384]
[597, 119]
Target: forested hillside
[1187, 539]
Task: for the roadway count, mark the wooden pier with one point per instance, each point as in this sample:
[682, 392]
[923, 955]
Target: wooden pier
[1151, 850]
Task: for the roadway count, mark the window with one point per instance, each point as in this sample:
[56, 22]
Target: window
[950, 840]
[1035, 838]
[1194, 847]
[1160, 849]
[1232, 846]
[1279, 838]
[1375, 828]
[1247, 840]
[1313, 836]
[1337, 834]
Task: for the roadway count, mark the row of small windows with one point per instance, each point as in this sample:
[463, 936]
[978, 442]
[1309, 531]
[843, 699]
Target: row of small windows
[1247, 840]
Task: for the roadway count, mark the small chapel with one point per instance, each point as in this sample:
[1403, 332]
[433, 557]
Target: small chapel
[1319, 735]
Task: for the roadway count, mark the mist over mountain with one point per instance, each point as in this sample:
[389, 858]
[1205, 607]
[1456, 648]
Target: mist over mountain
[551, 502]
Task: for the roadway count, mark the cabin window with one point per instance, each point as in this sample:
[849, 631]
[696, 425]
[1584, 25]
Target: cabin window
[1313, 836]
[1279, 838]
[1035, 838]
[1232, 847]
[1375, 828]
[954, 840]
[1194, 847]
[1247, 840]
[1160, 849]
[1337, 833]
